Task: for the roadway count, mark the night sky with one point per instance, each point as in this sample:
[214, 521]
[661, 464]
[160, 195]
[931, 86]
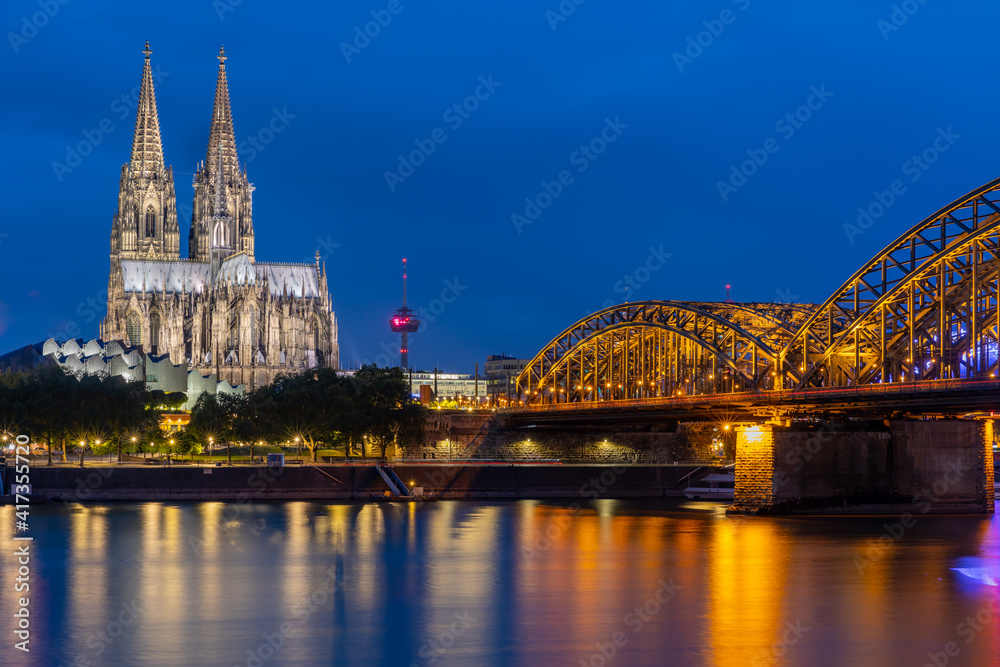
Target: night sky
[618, 120]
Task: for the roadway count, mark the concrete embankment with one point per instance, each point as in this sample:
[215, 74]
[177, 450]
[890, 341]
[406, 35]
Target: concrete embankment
[345, 482]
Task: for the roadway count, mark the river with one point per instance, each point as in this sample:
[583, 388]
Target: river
[549, 583]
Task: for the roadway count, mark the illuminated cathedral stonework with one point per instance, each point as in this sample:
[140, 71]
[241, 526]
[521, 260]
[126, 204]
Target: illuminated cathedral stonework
[218, 310]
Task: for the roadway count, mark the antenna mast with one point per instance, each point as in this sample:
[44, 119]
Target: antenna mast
[404, 324]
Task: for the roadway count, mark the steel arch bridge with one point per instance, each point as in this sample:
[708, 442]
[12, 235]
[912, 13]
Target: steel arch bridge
[925, 308]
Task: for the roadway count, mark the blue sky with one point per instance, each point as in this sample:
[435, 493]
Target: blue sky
[617, 120]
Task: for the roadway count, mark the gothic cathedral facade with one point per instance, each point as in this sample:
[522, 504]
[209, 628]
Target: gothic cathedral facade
[218, 310]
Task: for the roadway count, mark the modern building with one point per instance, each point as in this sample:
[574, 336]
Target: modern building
[448, 386]
[117, 358]
[218, 311]
[501, 372]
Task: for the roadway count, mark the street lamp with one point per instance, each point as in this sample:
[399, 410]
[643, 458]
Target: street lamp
[298, 444]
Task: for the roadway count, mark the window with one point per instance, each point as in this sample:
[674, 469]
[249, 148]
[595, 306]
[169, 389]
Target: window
[234, 329]
[257, 338]
[133, 329]
[150, 221]
[154, 331]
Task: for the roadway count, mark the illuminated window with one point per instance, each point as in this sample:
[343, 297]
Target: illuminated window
[150, 221]
[154, 331]
[133, 329]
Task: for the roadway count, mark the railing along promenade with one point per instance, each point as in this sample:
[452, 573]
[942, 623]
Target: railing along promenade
[776, 398]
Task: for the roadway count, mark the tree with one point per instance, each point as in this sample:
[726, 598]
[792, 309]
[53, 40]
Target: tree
[56, 405]
[387, 412]
[166, 401]
[314, 406]
[214, 416]
[48, 396]
[252, 420]
[186, 443]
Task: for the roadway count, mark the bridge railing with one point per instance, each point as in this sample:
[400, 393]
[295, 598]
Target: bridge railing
[776, 397]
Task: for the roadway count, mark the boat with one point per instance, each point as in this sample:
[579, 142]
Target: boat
[714, 486]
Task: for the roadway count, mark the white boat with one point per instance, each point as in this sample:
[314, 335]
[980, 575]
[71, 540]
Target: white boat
[716, 486]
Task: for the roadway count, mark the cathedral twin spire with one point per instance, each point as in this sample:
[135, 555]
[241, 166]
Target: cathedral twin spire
[222, 136]
[145, 224]
[222, 221]
[147, 146]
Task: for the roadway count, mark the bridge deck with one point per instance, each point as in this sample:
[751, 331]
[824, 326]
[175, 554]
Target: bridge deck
[938, 398]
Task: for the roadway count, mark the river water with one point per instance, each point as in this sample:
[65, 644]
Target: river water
[498, 583]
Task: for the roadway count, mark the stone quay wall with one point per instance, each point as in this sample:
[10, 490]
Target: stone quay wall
[356, 482]
[477, 436]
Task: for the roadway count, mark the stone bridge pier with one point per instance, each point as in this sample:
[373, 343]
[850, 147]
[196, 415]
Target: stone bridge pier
[916, 466]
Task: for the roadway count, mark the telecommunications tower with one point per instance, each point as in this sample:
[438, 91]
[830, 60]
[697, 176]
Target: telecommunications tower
[404, 324]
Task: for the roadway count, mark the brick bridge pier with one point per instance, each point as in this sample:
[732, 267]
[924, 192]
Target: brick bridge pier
[916, 466]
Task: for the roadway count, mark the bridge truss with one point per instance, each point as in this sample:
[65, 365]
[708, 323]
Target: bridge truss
[662, 348]
[923, 309]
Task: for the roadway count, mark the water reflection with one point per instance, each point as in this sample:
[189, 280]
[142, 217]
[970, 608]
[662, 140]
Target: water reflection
[518, 583]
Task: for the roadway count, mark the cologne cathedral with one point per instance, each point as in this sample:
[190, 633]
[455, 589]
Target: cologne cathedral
[218, 310]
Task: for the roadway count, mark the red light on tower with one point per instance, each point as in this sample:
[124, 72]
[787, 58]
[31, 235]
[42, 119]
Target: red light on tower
[404, 324]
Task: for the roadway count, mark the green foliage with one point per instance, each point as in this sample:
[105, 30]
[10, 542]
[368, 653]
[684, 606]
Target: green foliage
[57, 407]
[388, 415]
[320, 407]
[157, 399]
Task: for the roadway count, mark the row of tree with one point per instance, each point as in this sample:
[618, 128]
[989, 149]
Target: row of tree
[319, 407]
[82, 412]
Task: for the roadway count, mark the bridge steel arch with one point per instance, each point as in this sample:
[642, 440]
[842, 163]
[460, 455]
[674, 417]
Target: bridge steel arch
[661, 348]
[927, 307]
[924, 308]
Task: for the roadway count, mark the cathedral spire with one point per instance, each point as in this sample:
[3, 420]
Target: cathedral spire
[220, 190]
[219, 180]
[147, 146]
[222, 137]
